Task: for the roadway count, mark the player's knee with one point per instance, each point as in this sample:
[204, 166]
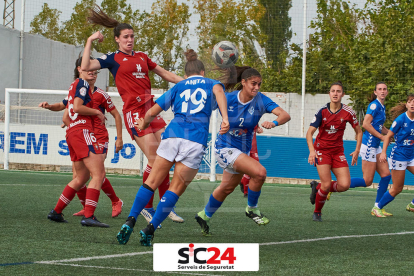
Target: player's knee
[368, 181]
[261, 174]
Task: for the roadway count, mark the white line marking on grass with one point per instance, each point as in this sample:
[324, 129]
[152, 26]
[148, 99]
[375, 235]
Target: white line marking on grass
[130, 269]
[338, 237]
[95, 257]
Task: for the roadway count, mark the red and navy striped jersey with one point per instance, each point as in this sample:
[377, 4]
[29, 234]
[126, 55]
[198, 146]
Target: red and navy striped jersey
[101, 101]
[79, 89]
[332, 126]
[131, 76]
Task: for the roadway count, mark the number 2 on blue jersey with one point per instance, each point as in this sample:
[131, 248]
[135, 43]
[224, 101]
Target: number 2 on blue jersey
[193, 97]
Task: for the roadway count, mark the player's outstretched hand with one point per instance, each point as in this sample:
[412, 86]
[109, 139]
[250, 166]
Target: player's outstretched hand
[383, 157]
[354, 155]
[311, 158]
[97, 36]
[44, 105]
[259, 129]
[101, 117]
[119, 144]
[139, 124]
[225, 126]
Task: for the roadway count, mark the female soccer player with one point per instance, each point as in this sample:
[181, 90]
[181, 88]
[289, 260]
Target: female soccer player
[244, 183]
[130, 70]
[327, 153]
[183, 144]
[83, 148]
[371, 139]
[246, 107]
[402, 155]
[101, 101]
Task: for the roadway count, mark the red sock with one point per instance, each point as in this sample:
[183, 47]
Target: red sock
[109, 190]
[334, 186]
[144, 178]
[164, 186]
[92, 197]
[320, 200]
[82, 195]
[245, 181]
[319, 186]
[65, 198]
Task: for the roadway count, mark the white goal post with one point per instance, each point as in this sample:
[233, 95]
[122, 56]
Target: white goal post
[23, 119]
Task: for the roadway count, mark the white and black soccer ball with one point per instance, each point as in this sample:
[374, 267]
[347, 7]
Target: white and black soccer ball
[225, 54]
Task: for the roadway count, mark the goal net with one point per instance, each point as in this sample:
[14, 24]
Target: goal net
[32, 137]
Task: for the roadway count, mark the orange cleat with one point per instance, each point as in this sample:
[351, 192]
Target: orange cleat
[117, 208]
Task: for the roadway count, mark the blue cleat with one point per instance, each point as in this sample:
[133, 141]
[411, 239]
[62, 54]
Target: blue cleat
[147, 235]
[126, 231]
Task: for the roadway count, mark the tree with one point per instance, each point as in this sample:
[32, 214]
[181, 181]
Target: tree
[46, 23]
[276, 25]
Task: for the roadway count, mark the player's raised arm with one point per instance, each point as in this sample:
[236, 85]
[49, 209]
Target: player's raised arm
[52, 107]
[282, 118]
[222, 104]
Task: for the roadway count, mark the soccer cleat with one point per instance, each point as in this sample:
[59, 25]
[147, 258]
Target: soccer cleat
[147, 235]
[204, 222]
[80, 213]
[117, 208]
[148, 213]
[174, 217]
[54, 216]
[377, 212]
[317, 217]
[93, 222]
[328, 197]
[410, 207]
[241, 187]
[386, 213]
[313, 185]
[126, 230]
[256, 216]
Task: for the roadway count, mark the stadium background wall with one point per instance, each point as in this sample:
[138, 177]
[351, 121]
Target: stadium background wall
[47, 64]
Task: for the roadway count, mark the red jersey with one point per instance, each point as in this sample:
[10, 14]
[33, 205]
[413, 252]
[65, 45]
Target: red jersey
[101, 101]
[79, 89]
[332, 126]
[131, 76]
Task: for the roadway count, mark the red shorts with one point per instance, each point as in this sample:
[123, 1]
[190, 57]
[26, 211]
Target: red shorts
[130, 117]
[102, 139]
[80, 143]
[335, 159]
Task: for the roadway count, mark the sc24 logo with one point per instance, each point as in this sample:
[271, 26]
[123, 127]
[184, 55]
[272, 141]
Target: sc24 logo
[217, 258]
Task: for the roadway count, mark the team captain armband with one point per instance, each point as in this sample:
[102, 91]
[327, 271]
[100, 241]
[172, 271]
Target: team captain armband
[276, 123]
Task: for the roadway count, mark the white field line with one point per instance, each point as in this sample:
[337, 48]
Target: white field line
[338, 237]
[131, 269]
[61, 262]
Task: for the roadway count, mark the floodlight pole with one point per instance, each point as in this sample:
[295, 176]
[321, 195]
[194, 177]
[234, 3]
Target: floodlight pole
[304, 69]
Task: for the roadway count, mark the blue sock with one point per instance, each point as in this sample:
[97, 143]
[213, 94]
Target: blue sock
[252, 198]
[386, 198]
[141, 199]
[164, 207]
[212, 206]
[357, 182]
[382, 187]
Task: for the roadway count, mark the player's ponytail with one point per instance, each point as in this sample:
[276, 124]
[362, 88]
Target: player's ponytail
[193, 66]
[400, 108]
[235, 74]
[98, 17]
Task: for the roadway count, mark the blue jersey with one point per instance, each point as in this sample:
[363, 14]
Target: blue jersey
[192, 101]
[243, 118]
[377, 110]
[403, 129]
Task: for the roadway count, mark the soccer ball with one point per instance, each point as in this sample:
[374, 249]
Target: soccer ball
[225, 54]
